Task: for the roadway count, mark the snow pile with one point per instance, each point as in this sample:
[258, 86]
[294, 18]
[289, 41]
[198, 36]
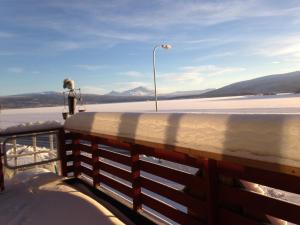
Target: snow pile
[268, 138]
[39, 197]
[24, 127]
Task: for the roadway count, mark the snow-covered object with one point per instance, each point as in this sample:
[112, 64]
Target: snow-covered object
[24, 127]
[267, 138]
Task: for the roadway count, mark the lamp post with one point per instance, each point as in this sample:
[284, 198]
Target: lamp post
[165, 46]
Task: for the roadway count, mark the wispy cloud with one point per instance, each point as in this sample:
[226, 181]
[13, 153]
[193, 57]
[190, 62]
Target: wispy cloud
[6, 34]
[15, 70]
[215, 55]
[90, 67]
[65, 45]
[133, 73]
[285, 48]
[170, 12]
[198, 73]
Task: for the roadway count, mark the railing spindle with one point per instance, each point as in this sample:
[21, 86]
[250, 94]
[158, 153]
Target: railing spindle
[34, 148]
[14, 143]
[76, 153]
[95, 163]
[1, 172]
[62, 152]
[135, 176]
[210, 166]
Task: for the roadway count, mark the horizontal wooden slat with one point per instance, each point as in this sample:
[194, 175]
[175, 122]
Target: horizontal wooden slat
[123, 159]
[124, 174]
[228, 218]
[85, 148]
[173, 214]
[86, 160]
[172, 156]
[115, 185]
[266, 205]
[268, 178]
[172, 174]
[86, 171]
[196, 205]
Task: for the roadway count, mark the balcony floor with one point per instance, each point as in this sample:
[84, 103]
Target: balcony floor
[43, 198]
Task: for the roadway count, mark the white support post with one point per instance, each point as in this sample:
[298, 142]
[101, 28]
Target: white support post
[51, 145]
[14, 143]
[34, 147]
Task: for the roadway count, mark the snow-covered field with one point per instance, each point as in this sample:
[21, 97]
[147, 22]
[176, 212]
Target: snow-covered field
[288, 103]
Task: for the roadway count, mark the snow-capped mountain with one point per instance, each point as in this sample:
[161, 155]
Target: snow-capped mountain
[138, 91]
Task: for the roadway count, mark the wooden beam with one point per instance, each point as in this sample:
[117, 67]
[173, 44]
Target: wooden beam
[212, 191]
[62, 152]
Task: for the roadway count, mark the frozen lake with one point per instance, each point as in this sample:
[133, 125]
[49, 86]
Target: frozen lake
[282, 104]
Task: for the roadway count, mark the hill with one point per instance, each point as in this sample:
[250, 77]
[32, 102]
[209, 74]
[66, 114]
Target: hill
[272, 84]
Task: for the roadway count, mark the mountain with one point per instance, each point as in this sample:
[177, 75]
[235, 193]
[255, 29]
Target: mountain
[56, 98]
[272, 84]
[138, 91]
[143, 91]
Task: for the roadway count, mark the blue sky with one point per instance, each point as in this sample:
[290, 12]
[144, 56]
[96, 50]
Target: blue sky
[107, 45]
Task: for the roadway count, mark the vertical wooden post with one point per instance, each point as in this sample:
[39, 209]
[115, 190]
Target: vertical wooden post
[1, 172]
[135, 176]
[197, 192]
[76, 153]
[62, 152]
[211, 175]
[95, 163]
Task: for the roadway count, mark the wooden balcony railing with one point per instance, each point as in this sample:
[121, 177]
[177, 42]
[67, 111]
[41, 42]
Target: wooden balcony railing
[182, 189]
[165, 185]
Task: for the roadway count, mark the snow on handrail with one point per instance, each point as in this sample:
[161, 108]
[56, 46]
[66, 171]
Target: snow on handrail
[27, 128]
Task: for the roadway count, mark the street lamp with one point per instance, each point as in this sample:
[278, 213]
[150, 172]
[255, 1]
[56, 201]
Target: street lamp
[165, 46]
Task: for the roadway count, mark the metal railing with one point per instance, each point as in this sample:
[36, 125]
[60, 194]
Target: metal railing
[14, 152]
[30, 148]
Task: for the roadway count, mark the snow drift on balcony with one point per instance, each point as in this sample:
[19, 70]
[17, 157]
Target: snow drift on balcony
[268, 138]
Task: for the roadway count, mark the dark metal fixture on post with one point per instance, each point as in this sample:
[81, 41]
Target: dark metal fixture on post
[74, 96]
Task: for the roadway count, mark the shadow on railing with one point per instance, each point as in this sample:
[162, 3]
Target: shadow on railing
[178, 188]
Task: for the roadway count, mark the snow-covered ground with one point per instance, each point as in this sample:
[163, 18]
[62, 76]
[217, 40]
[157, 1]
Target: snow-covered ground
[289, 103]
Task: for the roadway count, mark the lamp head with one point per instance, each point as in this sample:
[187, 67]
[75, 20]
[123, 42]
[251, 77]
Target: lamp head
[166, 46]
[69, 84]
